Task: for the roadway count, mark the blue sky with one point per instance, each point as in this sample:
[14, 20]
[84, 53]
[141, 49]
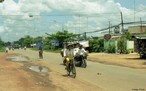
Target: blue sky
[130, 3]
[77, 16]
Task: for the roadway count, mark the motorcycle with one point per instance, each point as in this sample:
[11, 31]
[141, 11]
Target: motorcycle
[71, 68]
[81, 61]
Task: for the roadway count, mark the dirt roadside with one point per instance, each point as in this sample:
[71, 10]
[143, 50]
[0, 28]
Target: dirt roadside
[16, 76]
[126, 60]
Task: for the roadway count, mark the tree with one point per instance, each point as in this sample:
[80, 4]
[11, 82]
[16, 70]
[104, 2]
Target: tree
[38, 39]
[1, 42]
[28, 41]
[122, 44]
[62, 36]
[1, 45]
[128, 35]
[21, 42]
[96, 45]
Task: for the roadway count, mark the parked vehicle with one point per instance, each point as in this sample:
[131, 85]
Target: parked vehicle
[141, 45]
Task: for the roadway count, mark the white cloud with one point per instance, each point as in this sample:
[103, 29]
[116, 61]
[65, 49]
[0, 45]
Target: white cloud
[1, 29]
[94, 14]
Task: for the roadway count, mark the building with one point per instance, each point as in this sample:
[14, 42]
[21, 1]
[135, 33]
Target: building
[113, 41]
[137, 29]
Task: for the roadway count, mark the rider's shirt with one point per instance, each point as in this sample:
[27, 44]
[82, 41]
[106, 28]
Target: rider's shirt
[81, 51]
[64, 52]
[69, 54]
[76, 51]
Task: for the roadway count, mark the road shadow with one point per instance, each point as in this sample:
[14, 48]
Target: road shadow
[144, 63]
[62, 64]
[135, 58]
[68, 76]
[65, 75]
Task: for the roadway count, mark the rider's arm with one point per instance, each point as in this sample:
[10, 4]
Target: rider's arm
[83, 50]
[64, 53]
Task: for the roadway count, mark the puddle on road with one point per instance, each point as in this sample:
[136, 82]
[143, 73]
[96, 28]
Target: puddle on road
[39, 69]
[43, 71]
[18, 58]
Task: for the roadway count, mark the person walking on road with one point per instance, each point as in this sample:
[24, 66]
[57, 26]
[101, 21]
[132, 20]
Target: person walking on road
[40, 52]
[6, 49]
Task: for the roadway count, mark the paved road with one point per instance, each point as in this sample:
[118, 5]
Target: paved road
[108, 77]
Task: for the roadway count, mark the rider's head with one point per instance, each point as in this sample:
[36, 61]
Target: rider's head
[64, 46]
[69, 46]
[76, 45]
[81, 46]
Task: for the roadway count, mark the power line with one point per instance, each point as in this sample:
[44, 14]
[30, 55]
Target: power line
[127, 23]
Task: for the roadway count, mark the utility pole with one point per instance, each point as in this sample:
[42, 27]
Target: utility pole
[87, 23]
[122, 22]
[79, 23]
[109, 27]
[140, 25]
[85, 35]
[134, 12]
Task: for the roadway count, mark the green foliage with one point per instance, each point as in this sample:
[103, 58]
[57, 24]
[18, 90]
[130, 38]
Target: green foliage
[129, 51]
[62, 37]
[47, 47]
[38, 39]
[122, 45]
[26, 41]
[96, 45]
[1, 42]
[1, 49]
[128, 36]
[1, 45]
[111, 49]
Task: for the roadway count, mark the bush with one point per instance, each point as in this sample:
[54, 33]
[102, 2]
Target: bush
[47, 47]
[111, 49]
[2, 49]
[122, 45]
[127, 51]
[96, 45]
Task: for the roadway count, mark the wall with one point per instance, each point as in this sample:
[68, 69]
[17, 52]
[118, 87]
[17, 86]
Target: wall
[137, 29]
[130, 45]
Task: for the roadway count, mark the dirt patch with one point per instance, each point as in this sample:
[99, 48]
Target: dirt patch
[16, 76]
[126, 60]
[67, 83]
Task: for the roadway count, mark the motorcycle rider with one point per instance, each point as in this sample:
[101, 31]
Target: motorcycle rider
[63, 53]
[69, 55]
[76, 49]
[81, 53]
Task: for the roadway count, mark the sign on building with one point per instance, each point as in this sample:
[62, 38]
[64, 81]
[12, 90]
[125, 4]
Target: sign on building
[55, 43]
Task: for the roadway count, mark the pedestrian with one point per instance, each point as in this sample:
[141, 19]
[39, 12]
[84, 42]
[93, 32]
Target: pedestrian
[40, 52]
[6, 49]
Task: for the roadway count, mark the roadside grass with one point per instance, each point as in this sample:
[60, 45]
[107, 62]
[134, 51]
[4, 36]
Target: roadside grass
[2, 49]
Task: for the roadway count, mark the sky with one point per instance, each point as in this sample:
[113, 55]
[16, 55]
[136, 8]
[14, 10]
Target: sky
[19, 18]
